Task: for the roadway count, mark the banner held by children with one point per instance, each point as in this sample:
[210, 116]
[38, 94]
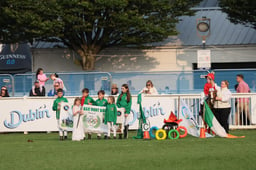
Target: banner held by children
[93, 118]
[66, 117]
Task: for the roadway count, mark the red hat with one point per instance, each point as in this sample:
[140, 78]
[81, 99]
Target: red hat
[211, 75]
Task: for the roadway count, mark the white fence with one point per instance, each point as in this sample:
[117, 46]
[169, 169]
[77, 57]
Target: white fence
[35, 114]
[242, 116]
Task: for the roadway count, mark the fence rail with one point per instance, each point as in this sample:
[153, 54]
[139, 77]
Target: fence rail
[166, 82]
[243, 109]
[239, 118]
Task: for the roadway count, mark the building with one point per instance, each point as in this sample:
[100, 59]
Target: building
[232, 46]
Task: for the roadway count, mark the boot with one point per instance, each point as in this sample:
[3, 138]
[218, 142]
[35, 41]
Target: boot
[120, 136]
[65, 137]
[105, 137]
[61, 138]
[89, 136]
[126, 131]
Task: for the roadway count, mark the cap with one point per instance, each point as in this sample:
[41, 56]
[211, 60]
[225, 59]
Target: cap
[37, 81]
[211, 75]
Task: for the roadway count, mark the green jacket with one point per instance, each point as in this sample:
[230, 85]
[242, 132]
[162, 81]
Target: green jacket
[123, 103]
[102, 102]
[110, 114]
[55, 105]
[88, 100]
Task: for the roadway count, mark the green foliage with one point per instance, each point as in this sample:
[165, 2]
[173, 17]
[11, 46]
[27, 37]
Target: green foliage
[240, 11]
[88, 26]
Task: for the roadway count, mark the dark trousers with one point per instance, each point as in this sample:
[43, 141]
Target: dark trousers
[222, 116]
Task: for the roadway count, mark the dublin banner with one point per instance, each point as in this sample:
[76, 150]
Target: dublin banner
[15, 58]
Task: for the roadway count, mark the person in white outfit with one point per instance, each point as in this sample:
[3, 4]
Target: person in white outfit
[149, 89]
[222, 105]
[78, 131]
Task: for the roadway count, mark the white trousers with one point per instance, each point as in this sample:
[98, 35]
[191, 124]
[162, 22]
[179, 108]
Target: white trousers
[111, 125]
[61, 132]
[126, 121]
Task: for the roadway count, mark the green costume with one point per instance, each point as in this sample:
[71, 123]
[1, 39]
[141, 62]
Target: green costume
[111, 114]
[142, 119]
[88, 100]
[56, 103]
[123, 103]
[102, 102]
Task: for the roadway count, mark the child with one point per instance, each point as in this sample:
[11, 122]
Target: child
[101, 102]
[56, 107]
[209, 85]
[111, 116]
[41, 77]
[124, 100]
[78, 132]
[55, 78]
[86, 99]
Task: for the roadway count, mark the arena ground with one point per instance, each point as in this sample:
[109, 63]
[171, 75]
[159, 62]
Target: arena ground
[45, 151]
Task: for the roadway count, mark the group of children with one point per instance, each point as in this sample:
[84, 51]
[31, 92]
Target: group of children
[110, 116]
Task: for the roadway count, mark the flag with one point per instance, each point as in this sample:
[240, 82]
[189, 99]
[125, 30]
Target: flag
[215, 126]
[141, 120]
[189, 121]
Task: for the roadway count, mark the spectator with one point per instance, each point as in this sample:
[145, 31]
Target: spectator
[242, 103]
[55, 78]
[222, 105]
[149, 89]
[4, 92]
[114, 89]
[53, 92]
[41, 77]
[37, 89]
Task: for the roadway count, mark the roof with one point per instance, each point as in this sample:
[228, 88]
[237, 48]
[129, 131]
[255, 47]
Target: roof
[223, 32]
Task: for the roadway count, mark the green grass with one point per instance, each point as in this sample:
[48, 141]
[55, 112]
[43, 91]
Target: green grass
[47, 152]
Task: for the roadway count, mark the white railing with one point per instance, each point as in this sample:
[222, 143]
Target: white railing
[243, 108]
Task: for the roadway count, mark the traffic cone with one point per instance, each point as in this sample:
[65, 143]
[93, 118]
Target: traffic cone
[146, 135]
[202, 133]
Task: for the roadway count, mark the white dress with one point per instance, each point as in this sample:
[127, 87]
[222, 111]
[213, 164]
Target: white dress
[78, 132]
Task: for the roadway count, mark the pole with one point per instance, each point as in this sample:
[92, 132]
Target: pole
[178, 107]
[82, 103]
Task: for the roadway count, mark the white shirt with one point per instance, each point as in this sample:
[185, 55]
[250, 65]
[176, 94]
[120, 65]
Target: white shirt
[152, 90]
[225, 95]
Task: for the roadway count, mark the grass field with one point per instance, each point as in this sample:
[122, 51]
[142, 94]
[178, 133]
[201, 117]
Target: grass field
[47, 152]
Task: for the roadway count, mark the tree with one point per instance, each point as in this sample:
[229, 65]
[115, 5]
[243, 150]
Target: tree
[88, 26]
[240, 11]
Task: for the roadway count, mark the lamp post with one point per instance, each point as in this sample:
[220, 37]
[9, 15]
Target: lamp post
[203, 28]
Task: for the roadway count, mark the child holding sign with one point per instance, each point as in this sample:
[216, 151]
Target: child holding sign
[56, 107]
[78, 132]
[101, 101]
[111, 116]
[86, 99]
